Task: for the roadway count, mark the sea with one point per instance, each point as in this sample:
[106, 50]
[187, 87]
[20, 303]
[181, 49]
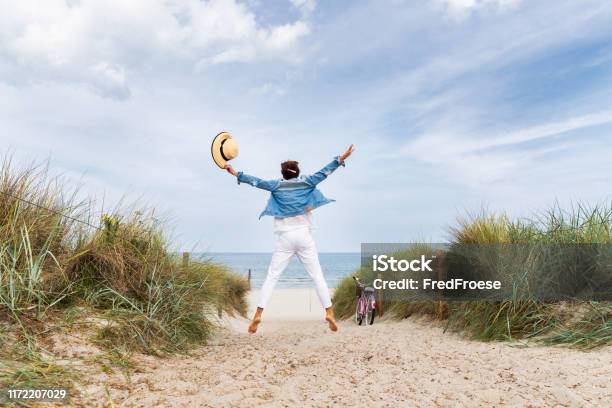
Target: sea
[335, 266]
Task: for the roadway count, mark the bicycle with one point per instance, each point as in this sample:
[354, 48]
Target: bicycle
[366, 304]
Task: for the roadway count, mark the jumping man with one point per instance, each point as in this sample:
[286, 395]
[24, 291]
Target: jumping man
[291, 203]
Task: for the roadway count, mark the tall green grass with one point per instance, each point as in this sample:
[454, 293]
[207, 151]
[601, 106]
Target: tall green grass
[522, 315]
[124, 271]
[592, 329]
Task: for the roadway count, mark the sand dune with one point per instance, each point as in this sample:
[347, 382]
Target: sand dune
[301, 363]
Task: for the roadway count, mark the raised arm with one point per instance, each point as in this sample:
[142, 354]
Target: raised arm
[268, 185]
[322, 174]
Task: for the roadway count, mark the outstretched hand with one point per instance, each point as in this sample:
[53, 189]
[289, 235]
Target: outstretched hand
[346, 154]
[230, 170]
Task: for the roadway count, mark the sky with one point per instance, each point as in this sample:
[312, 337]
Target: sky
[453, 106]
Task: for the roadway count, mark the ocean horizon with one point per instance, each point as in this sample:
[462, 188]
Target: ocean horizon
[335, 265]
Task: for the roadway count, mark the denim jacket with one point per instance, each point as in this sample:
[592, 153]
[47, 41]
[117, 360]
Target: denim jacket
[295, 196]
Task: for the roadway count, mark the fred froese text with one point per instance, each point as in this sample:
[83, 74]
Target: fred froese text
[451, 284]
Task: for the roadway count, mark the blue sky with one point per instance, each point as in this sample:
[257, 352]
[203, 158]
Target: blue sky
[453, 105]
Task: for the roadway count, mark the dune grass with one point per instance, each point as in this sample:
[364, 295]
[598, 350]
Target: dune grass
[521, 316]
[58, 255]
[592, 329]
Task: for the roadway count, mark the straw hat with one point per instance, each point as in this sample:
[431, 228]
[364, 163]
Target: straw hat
[223, 149]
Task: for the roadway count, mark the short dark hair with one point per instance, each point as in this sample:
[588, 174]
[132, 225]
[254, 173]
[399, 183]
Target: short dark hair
[290, 169]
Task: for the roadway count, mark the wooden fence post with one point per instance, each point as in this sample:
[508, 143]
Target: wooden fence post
[380, 304]
[185, 259]
[441, 276]
[249, 278]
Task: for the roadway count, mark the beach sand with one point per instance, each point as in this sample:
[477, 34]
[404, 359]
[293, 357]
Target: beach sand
[289, 304]
[299, 362]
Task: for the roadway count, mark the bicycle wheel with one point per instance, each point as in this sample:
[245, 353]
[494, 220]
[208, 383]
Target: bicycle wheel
[358, 315]
[370, 312]
[372, 316]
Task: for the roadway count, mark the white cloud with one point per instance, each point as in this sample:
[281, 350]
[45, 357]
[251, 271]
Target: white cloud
[305, 6]
[101, 44]
[109, 80]
[462, 8]
[269, 89]
[272, 42]
[454, 144]
[547, 130]
[473, 160]
[469, 97]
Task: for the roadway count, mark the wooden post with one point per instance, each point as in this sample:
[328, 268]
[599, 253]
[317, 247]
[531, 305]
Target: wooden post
[249, 278]
[380, 305]
[185, 259]
[441, 276]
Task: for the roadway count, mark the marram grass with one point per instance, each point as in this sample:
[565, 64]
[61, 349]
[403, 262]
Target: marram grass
[520, 316]
[124, 272]
[593, 329]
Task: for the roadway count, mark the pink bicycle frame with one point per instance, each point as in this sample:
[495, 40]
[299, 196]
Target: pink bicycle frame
[362, 303]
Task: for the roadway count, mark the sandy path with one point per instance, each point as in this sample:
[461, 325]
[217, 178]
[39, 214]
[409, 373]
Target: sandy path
[388, 364]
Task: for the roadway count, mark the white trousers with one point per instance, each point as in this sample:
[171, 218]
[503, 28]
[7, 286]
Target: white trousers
[295, 242]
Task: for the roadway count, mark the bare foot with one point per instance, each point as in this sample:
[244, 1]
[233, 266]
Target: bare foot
[332, 323]
[253, 326]
[256, 320]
